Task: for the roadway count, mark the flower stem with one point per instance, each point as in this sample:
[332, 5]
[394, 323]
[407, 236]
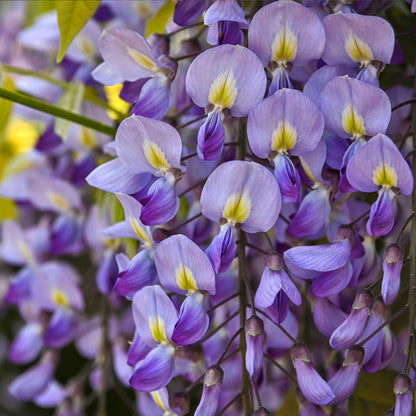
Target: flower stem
[56, 111]
[412, 275]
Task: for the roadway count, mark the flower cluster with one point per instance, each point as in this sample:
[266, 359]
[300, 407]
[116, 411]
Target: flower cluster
[229, 227]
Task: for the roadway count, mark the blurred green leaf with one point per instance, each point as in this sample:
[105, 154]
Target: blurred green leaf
[158, 22]
[373, 395]
[72, 17]
[70, 100]
[290, 405]
[5, 105]
[35, 8]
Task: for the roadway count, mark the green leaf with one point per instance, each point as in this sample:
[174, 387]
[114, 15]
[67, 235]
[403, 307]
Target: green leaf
[290, 405]
[373, 395]
[72, 17]
[71, 100]
[158, 22]
[36, 8]
[5, 105]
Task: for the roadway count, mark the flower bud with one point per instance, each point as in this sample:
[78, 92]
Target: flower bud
[180, 400]
[404, 395]
[254, 340]
[262, 411]
[274, 261]
[210, 392]
[392, 267]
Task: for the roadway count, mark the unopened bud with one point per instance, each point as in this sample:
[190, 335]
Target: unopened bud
[180, 401]
[393, 254]
[345, 232]
[364, 299]
[402, 384]
[213, 376]
[254, 326]
[354, 355]
[299, 352]
[274, 261]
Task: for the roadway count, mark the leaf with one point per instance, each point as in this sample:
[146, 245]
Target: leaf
[157, 23]
[72, 17]
[373, 395]
[5, 105]
[290, 406]
[35, 8]
[71, 100]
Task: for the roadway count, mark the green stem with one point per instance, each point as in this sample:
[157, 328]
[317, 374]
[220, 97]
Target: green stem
[56, 111]
[88, 93]
[412, 275]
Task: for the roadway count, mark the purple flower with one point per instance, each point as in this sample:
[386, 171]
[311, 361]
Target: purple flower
[404, 395]
[276, 128]
[285, 34]
[310, 383]
[275, 289]
[225, 77]
[392, 266]
[254, 333]
[210, 394]
[232, 192]
[350, 331]
[385, 170]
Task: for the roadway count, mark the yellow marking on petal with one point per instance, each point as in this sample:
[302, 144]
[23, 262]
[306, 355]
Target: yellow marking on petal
[284, 46]
[223, 91]
[308, 170]
[87, 138]
[385, 176]
[87, 47]
[142, 59]
[352, 122]
[155, 156]
[58, 201]
[358, 50]
[112, 92]
[237, 208]
[284, 137]
[26, 252]
[140, 231]
[60, 298]
[21, 136]
[185, 278]
[157, 328]
[158, 400]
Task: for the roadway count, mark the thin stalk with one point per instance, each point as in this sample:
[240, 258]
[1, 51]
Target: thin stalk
[202, 181]
[56, 111]
[260, 250]
[227, 347]
[221, 303]
[412, 274]
[385, 323]
[182, 29]
[186, 222]
[280, 367]
[279, 326]
[189, 156]
[256, 391]
[229, 404]
[361, 217]
[215, 330]
[269, 241]
[194, 120]
[182, 57]
[241, 256]
[88, 94]
[396, 107]
[409, 218]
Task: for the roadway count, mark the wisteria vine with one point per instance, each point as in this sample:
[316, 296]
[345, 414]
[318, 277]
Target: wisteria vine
[216, 216]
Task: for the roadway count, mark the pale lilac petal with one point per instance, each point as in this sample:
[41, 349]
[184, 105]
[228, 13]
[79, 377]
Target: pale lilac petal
[332, 282]
[113, 176]
[381, 219]
[322, 258]
[137, 132]
[239, 177]
[285, 106]
[293, 17]
[343, 92]
[27, 344]
[152, 303]
[239, 63]
[376, 32]
[177, 256]
[327, 316]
